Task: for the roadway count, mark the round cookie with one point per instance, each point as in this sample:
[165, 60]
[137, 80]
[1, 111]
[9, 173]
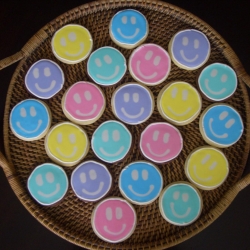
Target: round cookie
[83, 103]
[179, 103]
[106, 66]
[48, 184]
[217, 82]
[149, 64]
[91, 181]
[161, 142]
[189, 49]
[72, 44]
[132, 103]
[140, 182]
[66, 144]
[207, 167]
[44, 79]
[221, 125]
[114, 220]
[128, 28]
[111, 141]
[180, 203]
[30, 120]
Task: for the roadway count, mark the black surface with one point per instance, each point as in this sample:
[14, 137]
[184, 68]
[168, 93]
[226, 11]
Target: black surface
[19, 20]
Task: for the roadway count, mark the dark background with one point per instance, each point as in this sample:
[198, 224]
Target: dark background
[19, 20]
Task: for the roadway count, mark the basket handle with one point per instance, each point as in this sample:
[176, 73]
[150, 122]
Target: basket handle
[11, 59]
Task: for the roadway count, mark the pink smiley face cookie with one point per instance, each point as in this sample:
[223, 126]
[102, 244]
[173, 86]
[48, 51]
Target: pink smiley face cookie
[83, 103]
[113, 220]
[161, 142]
[149, 64]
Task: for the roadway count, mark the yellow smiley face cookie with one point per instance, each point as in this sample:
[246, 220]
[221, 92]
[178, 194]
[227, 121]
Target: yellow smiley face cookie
[72, 44]
[66, 143]
[179, 103]
[207, 167]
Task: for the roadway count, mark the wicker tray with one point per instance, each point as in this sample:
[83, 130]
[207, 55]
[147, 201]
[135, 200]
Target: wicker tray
[71, 218]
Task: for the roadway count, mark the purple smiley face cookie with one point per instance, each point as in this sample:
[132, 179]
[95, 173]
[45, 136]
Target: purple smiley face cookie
[44, 79]
[91, 181]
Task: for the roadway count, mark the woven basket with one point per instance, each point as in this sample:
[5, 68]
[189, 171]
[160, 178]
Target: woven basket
[71, 218]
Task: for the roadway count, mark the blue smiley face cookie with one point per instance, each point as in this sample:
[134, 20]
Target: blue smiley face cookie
[106, 66]
[111, 141]
[140, 182]
[30, 120]
[221, 125]
[128, 28]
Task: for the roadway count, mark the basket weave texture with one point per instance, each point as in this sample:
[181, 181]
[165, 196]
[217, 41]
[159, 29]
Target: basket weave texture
[71, 218]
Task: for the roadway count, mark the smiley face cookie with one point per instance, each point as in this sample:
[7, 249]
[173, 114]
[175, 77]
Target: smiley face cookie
[149, 64]
[179, 103]
[114, 220]
[221, 125]
[140, 182]
[207, 167]
[217, 82]
[111, 141]
[91, 181]
[66, 143]
[44, 79]
[106, 66]
[48, 184]
[30, 120]
[83, 103]
[72, 44]
[128, 28]
[161, 142]
[132, 103]
[180, 203]
[189, 49]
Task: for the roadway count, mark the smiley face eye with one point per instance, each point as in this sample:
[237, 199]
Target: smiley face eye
[230, 123]
[223, 78]
[196, 43]
[157, 60]
[185, 197]
[47, 72]
[223, 115]
[39, 180]
[213, 165]
[174, 92]
[98, 62]
[108, 213]
[124, 19]
[214, 73]
[144, 174]
[32, 111]
[136, 97]
[72, 138]
[83, 178]
[134, 175]
[155, 135]
[23, 112]
[87, 95]
[72, 36]
[36, 73]
[133, 20]
[63, 42]
[116, 135]
[176, 195]
[50, 177]
[77, 98]
[92, 174]
[105, 135]
[148, 55]
[166, 138]
[184, 94]
[184, 41]
[118, 213]
[107, 59]
[59, 138]
[126, 97]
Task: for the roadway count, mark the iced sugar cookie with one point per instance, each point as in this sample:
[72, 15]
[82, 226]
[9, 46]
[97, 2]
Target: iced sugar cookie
[217, 82]
[111, 141]
[161, 142]
[83, 103]
[128, 28]
[44, 79]
[66, 143]
[221, 125]
[48, 184]
[140, 182]
[207, 167]
[189, 49]
[106, 66]
[113, 220]
[149, 64]
[72, 43]
[132, 103]
[180, 203]
[30, 120]
[179, 103]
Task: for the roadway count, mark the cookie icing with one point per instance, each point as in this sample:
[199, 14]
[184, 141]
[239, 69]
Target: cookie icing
[161, 142]
[44, 79]
[30, 119]
[132, 103]
[91, 181]
[140, 182]
[48, 184]
[217, 81]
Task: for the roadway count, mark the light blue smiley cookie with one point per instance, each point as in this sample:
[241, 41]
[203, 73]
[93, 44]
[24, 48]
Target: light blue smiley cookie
[217, 81]
[48, 184]
[221, 125]
[30, 120]
[128, 28]
[180, 203]
[111, 141]
[140, 182]
[106, 66]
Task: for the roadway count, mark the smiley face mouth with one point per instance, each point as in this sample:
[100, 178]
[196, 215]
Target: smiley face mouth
[112, 155]
[67, 156]
[117, 69]
[115, 233]
[225, 135]
[45, 90]
[151, 188]
[78, 112]
[180, 216]
[142, 75]
[203, 179]
[95, 192]
[51, 194]
[128, 37]
[182, 114]
[186, 59]
[78, 53]
[157, 155]
[132, 116]
[30, 131]
[213, 92]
